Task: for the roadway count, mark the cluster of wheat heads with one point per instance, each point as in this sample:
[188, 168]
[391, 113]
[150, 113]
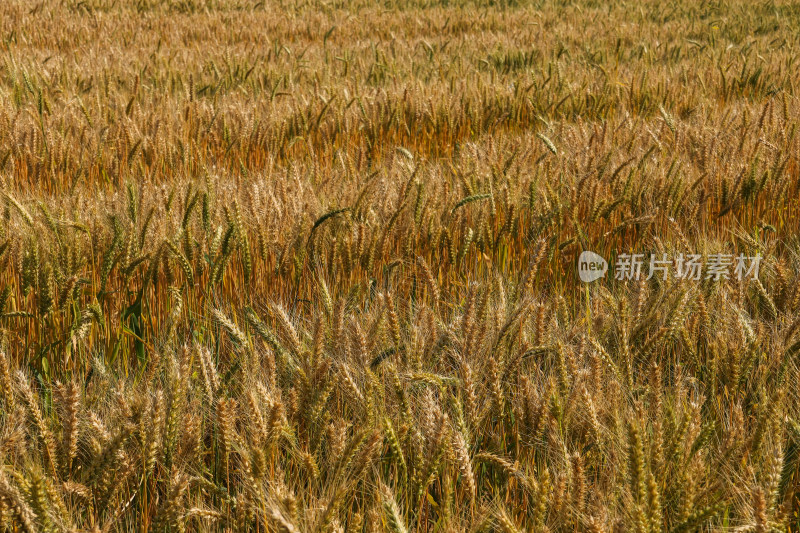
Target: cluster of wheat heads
[311, 266]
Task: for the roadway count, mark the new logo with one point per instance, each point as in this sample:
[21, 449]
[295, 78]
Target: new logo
[591, 266]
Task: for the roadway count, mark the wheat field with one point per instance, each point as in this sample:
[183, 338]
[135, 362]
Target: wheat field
[311, 266]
